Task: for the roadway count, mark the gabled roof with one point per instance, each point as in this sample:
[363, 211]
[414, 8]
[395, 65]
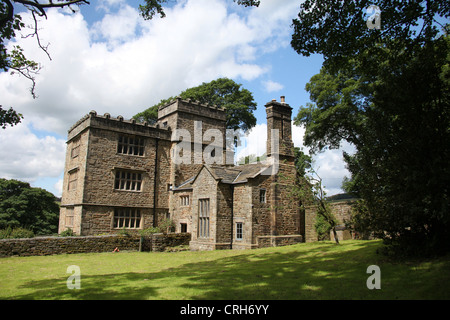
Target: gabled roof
[229, 175]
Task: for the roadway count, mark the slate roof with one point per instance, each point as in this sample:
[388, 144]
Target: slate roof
[228, 175]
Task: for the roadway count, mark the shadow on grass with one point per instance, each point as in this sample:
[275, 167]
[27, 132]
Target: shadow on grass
[322, 272]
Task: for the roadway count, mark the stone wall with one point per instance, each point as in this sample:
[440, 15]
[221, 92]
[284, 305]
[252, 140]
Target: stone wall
[41, 246]
[162, 241]
[278, 241]
[341, 211]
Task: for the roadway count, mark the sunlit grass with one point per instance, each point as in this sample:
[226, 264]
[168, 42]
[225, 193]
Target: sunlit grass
[305, 271]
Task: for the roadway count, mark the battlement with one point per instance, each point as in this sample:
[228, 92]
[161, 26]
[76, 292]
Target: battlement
[117, 124]
[192, 107]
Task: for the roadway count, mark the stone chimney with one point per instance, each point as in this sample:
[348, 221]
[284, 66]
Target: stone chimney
[279, 118]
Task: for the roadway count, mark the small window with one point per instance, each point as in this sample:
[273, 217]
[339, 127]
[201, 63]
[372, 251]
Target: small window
[75, 148]
[127, 218]
[184, 201]
[130, 145]
[127, 180]
[73, 178]
[239, 230]
[203, 219]
[183, 227]
[262, 195]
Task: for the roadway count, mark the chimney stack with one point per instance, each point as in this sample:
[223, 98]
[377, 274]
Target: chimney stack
[279, 118]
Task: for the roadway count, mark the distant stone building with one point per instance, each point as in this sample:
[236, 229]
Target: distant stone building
[123, 174]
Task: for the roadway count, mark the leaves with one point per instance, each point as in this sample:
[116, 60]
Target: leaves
[338, 30]
[9, 117]
[27, 207]
[387, 93]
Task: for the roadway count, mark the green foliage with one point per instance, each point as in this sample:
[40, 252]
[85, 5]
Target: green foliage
[323, 228]
[386, 92]
[16, 233]
[149, 231]
[27, 207]
[223, 92]
[67, 233]
[166, 225]
[9, 117]
[339, 31]
[151, 114]
[124, 232]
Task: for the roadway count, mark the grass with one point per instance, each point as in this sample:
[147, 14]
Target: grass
[319, 270]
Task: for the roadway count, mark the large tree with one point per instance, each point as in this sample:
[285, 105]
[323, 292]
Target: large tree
[22, 206]
[387, 92]
[223, 92]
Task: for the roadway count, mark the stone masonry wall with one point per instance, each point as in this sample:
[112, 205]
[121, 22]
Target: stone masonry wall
[341, 211]
[42, 246]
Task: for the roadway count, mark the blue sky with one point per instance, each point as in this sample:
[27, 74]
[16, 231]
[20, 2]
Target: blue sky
[107, 58]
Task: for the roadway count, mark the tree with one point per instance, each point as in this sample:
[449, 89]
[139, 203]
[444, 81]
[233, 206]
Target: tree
[339, 30]
[223, 92]
[387, 92]
[9, 117]
[22, 206]
[308, 189]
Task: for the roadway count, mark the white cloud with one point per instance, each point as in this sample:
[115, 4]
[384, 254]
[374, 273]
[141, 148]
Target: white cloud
[272, 86]
[58, 187]
[330, 166]
[254, 142]
[27, 157]
[123, 64]
[119, 27]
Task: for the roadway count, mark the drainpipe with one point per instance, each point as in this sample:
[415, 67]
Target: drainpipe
[155, 193]
[232, 216]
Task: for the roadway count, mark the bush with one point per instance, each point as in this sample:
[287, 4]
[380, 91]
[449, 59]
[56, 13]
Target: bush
[16, 233]
[67, 233]
[149, 231]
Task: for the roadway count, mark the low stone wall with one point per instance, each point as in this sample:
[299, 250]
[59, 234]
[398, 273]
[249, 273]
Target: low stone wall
[41, 246]
[161, 241]
[278, 241]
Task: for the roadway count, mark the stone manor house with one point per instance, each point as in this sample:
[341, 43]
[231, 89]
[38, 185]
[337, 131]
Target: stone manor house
[123, 174]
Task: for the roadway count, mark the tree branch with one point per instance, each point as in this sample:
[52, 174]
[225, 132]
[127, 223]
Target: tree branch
[9, 16]
[37, 36]
[43, 6]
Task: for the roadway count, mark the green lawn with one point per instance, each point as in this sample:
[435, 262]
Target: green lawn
[304, 271]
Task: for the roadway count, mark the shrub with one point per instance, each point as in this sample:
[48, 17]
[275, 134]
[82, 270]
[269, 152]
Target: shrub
[149, 231]
[67, 233]
[16, 233]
